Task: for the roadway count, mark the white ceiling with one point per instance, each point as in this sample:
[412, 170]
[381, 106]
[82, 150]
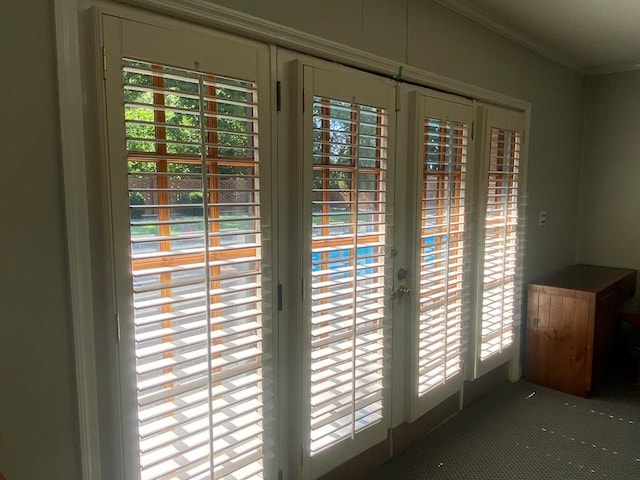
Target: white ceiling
[590, 36]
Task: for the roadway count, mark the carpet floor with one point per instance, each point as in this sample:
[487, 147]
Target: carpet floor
[523, 431]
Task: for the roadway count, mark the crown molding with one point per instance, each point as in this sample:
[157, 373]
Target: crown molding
[613, 68]
[206, 13]
[472, 13]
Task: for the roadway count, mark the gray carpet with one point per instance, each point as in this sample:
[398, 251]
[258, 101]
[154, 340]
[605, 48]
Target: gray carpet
[524, 431]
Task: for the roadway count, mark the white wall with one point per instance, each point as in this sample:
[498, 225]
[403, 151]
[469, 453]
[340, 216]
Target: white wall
[38, 415]
[424, 34]
[38, 424]
[609, 221]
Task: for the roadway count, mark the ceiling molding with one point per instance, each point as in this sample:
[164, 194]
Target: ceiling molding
[613, 68]
[491, 23]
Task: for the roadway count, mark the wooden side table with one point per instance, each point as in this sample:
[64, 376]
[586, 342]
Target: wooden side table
[571, 326]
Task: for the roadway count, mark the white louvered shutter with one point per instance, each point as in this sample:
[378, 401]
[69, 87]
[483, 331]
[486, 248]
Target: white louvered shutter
[349, 233]
[442, 294]
[501, 264]
[196, 260]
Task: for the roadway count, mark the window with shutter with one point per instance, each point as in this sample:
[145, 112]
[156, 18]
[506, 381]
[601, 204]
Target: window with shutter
[348, 226]
[441, 304]
[196, 269]
[192, 300]
[348, 252]
[499, 299]
[442, 252]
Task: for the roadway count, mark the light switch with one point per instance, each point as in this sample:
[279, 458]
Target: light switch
[542, 218]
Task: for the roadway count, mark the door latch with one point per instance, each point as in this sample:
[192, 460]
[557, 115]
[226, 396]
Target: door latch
[402, 291]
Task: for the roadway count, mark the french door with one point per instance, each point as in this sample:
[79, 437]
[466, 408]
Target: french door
[501, 234]
[347, 218]
[208, 257]
[439, 248]
[189, 171]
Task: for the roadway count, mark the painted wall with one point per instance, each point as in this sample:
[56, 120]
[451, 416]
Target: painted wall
[609, 220]
[38, 414]
[38, 417]
[424, 34]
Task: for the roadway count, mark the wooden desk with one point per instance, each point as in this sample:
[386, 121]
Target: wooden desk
[571, 326]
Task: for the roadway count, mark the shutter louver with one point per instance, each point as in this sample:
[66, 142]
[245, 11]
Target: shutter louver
[500, 299]
[196, 263]
[348, 268]
[443, 302]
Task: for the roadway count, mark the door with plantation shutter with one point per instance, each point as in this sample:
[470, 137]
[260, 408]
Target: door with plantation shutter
[499, 298]
[189, 163]
[347, 220]
[440, 307]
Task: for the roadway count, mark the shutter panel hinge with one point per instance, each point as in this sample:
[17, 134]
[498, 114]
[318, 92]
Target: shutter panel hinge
[398, 103]
[303, 100]
[279, 297]
[118, 326]
[301, 456]
[104, 63]
[393, 252]
[473, 128]
[279, 95]
[280, 475]
[302, 292]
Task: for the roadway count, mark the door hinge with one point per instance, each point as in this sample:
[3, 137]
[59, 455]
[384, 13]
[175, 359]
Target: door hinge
[278, 96]
[303, 100]
[280, 475]
[301, 456]
[118, 326]
[398, 103]
[104, 63]
[279, 297]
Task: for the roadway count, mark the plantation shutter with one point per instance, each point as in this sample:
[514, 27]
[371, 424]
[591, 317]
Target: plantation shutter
[348, 223]
[499, 301]
[443, 127]
[194, 334]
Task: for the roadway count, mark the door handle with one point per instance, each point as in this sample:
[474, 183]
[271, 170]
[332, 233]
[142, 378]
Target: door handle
[402, 291]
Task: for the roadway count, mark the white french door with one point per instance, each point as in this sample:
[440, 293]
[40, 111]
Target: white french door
[194, 215]
[499, 261]
[189, 171]
[439, 249]
[347, 217]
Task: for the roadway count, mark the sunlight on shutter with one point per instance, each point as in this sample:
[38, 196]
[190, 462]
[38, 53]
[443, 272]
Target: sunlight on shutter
[348, 266]
[442, 252]
[192, 146]
[500, 273]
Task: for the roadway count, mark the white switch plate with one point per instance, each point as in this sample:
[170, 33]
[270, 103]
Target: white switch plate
[542, 218]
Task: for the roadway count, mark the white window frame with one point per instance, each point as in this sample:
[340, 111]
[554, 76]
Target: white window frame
[71, 30]
[486, 117]
[426, 103]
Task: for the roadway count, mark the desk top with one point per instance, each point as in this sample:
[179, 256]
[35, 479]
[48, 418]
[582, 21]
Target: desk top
[586, 278]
